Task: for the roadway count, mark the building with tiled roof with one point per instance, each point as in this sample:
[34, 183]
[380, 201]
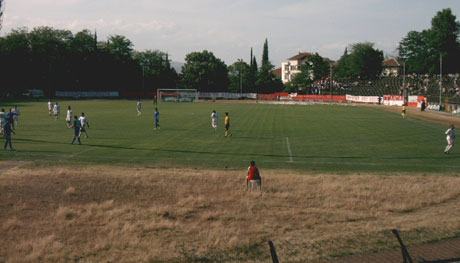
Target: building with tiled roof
[277, 72]
[292, 65]
[392, 67]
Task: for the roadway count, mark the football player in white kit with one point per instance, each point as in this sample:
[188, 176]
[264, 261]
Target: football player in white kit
[50, 108]
[56, 110]
[450, 138]
[68, 118]
[16, 114]
[214, 117]
[139, 107]
[83, 124]
[2, 120]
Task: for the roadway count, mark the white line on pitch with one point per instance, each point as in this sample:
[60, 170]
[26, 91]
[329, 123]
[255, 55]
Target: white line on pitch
[289, 150]
[80, 152]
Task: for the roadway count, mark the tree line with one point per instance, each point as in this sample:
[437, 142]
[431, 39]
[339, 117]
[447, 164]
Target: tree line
[54, 59]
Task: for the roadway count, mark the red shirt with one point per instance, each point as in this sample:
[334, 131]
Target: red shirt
[253, 173]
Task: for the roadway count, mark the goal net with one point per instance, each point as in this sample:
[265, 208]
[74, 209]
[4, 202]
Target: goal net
[177, 95]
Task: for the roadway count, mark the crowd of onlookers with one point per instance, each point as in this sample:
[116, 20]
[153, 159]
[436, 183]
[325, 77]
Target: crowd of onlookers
[413, 84]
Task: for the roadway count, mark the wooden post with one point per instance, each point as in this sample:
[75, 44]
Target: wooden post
[405, 253]
[273, 252]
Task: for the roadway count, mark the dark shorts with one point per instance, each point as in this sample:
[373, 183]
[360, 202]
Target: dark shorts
[227, 126]
[82, 129]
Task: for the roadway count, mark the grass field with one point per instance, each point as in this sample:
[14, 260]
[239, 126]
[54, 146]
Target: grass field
[313, 138]
[336, 180]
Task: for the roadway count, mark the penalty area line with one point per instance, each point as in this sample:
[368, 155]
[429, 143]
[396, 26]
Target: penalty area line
[289, 150]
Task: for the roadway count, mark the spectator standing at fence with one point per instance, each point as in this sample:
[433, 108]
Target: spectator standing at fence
[450, 138]
[214, 118]
[423, 105]
[8, 129]
[253, 177]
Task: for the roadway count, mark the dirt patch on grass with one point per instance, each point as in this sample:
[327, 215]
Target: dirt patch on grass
[122, 214]
[432, 116]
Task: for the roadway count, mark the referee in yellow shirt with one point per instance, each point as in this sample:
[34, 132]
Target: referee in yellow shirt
[227, 125]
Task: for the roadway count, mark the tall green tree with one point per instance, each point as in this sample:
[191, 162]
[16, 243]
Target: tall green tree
[156, 70]
[119, 46]
[315, 68]
[443, 39]
[415, 51]
[363, 61]
[421, 50]
[204, 72]
[238, 75]
[266, 81]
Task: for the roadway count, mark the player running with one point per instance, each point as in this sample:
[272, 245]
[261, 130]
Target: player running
[83, 124]
[139, 107]
[214, 117]
[76, 129]
[227, 125]
[56, 110]
[50, 108]
[157, 119]
[68, 118]
[450, 138]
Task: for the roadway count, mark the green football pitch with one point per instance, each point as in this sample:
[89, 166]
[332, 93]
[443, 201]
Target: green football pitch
[315, 138]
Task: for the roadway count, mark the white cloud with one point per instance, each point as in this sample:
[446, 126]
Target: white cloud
[230, 28]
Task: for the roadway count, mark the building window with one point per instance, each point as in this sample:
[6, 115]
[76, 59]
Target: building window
[286, 67]
[293, 67]
[286, 76]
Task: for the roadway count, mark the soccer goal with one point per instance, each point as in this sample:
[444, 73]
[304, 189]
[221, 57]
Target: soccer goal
[177, 95]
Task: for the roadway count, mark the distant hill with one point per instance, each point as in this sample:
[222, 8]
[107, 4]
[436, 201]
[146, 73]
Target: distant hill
[177, 66]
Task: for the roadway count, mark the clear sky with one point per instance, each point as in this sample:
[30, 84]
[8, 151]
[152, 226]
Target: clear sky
[229, 28]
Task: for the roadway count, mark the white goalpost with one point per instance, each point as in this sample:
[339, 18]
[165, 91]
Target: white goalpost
[177, 95]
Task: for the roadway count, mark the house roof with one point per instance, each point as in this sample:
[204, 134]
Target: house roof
[303, 56]
[277, 72]
[392, 62]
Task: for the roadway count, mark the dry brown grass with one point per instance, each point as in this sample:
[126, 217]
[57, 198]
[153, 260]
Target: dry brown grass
[106, 214]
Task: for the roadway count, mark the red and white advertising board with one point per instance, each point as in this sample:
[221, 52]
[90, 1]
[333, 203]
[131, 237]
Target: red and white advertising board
[393, 100]
[363, 99]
